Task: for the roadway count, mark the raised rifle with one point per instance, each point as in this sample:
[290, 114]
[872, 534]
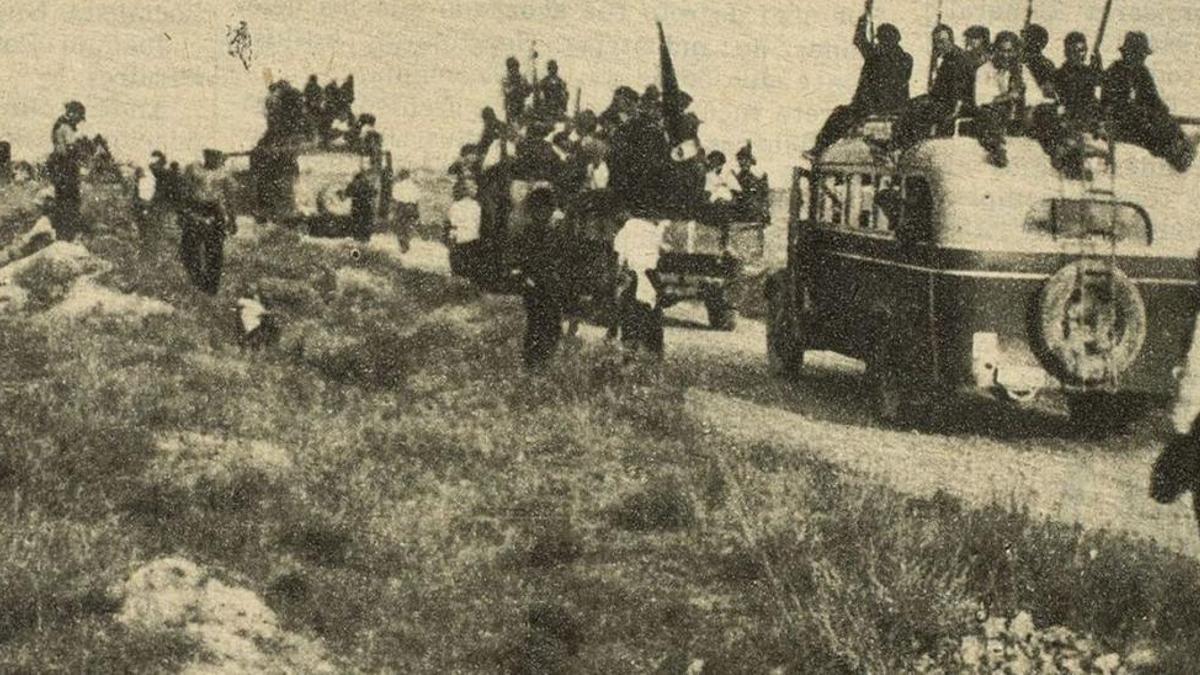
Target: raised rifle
[869, 10]
[1028, 13]
[932, 55]
[1103, 26]
[537, 94]
[578, 100]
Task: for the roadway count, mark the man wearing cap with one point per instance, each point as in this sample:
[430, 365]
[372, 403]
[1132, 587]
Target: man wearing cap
[64, 168]
[1134, 109]
[882, 83]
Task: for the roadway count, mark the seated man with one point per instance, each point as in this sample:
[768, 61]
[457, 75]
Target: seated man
[1004, 89]
[1136, 112]
[951, 90]
[882, 84]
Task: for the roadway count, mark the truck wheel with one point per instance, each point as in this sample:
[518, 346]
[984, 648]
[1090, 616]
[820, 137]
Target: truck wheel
[721, 314]
[785, 351]
[1101, 413]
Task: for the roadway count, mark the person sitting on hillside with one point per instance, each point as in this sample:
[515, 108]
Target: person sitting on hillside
[1136, 112]
[35, 238]
[882, 84]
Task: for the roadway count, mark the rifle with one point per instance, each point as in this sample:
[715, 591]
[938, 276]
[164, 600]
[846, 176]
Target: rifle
[578, 100]
[1029, 13]
[1103, 26]
[537, 95]
[933, 56]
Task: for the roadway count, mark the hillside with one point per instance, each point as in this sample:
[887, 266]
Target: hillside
[386, 489]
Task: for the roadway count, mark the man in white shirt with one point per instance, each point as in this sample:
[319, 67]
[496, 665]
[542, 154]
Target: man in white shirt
[1004, 90]
[638, 245]
[462, 232]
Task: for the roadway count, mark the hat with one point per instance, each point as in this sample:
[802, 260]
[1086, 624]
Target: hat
[78, 108]
[1136, 42]
[746, 152]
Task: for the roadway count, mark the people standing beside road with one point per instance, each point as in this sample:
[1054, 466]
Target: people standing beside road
[882, 83]
[638, 246]
[64, 167]
[406, 196]
[542, 280]
[1134, 110]
[1004, 89]
[204, 221]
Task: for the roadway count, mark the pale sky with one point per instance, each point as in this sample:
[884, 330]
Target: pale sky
[157, 75]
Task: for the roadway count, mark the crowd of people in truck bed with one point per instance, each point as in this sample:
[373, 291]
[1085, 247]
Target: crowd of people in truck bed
[1008, 86]
[620, 161]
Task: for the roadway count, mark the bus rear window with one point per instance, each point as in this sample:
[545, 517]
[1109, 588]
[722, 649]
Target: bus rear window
[1084, 218]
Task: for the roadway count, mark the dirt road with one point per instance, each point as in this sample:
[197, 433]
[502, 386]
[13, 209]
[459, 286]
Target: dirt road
[991, 452]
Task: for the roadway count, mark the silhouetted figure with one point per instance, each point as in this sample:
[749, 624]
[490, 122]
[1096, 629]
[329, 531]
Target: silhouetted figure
[64, 165]
[516, 91]
[1077, 81]
[1034, 39]
[204, 220]
[953, 90]
[554, 93]
[882, 84]
[542, 280]
[1136, 113]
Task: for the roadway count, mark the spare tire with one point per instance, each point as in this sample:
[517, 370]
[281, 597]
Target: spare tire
[1091, 323]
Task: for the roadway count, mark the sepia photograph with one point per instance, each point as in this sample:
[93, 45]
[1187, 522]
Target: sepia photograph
[537, 337]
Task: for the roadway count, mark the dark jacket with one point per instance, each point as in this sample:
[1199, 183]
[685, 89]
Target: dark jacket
[1127, 85]
[1042, 69]
[1076, 88]
[554, 94]
[639, 165]
[883, 81]
[955, 79]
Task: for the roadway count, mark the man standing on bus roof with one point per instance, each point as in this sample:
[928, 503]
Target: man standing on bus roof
[882, 83]
[1003, 91]
[1076, 81]
[1136, 112]
[554, 92]
[953, 89]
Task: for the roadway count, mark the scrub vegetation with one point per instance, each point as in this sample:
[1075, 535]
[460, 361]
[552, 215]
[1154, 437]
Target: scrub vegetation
[393, 484]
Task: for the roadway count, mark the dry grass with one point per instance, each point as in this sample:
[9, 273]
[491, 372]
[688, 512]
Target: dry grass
[391, 481]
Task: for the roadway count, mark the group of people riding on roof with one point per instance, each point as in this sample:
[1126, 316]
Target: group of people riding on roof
[324, 115]
[1009, 87]
[621, 160]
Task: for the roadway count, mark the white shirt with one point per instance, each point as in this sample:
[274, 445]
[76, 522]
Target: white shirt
[638, 245]
[251, 312]
[406, 191]
[991, 82]
[493, 155]
[465, 216]
[597, 176]
[720, 185]
[146, 186]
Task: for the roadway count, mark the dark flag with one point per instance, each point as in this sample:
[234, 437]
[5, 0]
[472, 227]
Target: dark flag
[671, 103]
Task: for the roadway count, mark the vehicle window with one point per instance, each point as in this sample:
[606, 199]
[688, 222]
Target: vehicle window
[1082, 218]
[918, 208]
[863, 212]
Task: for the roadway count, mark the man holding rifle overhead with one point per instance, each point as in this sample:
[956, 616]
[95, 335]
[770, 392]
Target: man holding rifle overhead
[882, 83]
